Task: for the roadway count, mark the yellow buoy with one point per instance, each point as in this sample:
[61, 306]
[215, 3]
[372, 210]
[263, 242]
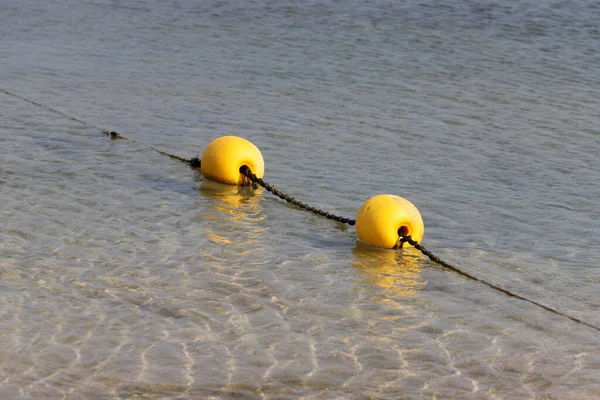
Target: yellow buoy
[223, 157]
[380, 218]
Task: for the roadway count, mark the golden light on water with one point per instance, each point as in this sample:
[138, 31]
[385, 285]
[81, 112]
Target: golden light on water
[395, 271]
[231, 210]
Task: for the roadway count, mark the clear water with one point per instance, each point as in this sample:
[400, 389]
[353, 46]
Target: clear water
[124, 274]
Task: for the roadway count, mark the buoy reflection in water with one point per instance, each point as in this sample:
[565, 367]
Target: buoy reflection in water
[396, 271]
[233, 212]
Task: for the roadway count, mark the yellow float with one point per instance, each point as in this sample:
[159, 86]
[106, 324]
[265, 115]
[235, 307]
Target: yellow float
[223, 157]
[381, 217]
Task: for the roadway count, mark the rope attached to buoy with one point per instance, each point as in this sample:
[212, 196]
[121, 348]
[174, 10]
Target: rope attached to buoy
[193, 162]
[408, 239]
[244, 170]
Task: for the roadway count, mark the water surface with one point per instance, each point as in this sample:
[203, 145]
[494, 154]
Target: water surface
[123, 273]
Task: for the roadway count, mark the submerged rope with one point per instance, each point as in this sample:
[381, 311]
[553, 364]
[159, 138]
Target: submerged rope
[437, 260]
[245, 170]
[193, 162]
[35, 103]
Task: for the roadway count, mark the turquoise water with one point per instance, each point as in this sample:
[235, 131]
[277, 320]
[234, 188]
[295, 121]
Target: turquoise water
[123, 273]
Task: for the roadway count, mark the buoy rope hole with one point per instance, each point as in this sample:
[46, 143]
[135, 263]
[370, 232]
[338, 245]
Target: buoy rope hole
[385, 221]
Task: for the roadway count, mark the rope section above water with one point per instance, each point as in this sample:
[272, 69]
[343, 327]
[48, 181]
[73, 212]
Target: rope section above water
[244, 170]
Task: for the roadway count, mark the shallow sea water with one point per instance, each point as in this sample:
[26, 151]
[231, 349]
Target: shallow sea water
[124, 274]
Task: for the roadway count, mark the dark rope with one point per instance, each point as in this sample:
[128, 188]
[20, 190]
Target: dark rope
[49, 109]
[437, 260]
[113, 135]
[193, 162]
[245, 170]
